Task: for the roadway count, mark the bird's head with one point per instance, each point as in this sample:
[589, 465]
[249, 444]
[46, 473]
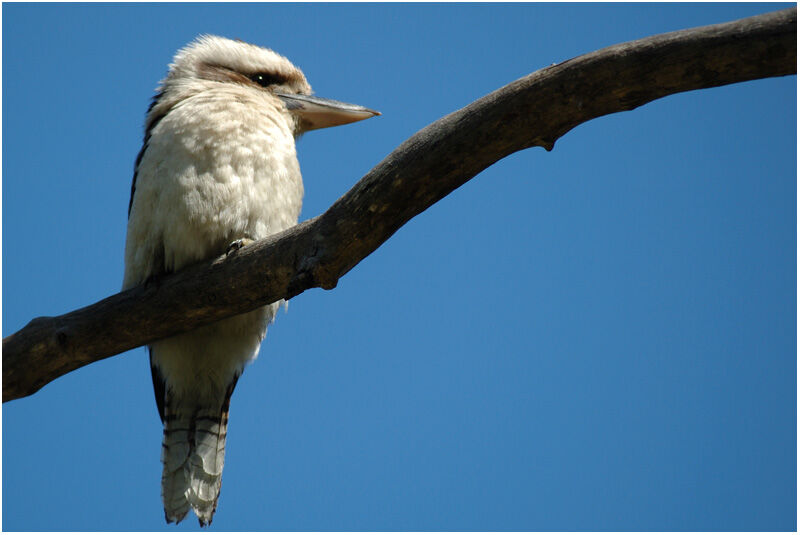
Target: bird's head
[210, 60]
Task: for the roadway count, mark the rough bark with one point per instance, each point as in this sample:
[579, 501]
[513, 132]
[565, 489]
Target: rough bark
[533, 111]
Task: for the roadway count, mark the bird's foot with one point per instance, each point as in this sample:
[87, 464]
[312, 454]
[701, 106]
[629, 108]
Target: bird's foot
[235, 245]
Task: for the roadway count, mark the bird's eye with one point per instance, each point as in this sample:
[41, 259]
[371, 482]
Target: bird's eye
[265, 79]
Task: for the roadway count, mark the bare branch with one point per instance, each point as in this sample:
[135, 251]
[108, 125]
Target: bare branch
[535, 110]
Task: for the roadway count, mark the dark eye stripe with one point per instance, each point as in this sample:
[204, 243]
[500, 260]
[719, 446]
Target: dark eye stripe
[265, 79]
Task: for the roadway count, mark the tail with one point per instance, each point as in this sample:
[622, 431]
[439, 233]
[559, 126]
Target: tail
[193, 454]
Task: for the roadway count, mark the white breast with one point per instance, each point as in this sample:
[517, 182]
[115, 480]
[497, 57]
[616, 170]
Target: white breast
[221, 165]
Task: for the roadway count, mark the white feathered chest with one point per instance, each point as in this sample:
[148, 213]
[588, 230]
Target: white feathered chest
[219, 166]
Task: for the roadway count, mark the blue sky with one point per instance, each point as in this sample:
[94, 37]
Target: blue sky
[597, 338]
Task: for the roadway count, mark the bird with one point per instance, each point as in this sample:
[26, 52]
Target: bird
[217, 170]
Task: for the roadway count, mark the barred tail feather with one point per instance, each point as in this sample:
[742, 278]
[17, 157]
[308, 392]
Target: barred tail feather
[175, 451]
[193, 454]
[205, 464]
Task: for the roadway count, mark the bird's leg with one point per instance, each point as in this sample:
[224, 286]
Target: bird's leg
[235, 245]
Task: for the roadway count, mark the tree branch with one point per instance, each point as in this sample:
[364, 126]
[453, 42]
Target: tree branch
[535, 110]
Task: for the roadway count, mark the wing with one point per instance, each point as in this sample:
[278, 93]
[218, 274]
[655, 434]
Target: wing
[151, 123]
[159, 386]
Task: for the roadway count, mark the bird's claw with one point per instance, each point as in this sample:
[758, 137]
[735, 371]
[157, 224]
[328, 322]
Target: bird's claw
[235, 245]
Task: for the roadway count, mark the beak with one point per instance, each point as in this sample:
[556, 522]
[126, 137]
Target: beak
[315, 112]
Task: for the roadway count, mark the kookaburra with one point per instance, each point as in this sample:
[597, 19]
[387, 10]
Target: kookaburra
[217, 169]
